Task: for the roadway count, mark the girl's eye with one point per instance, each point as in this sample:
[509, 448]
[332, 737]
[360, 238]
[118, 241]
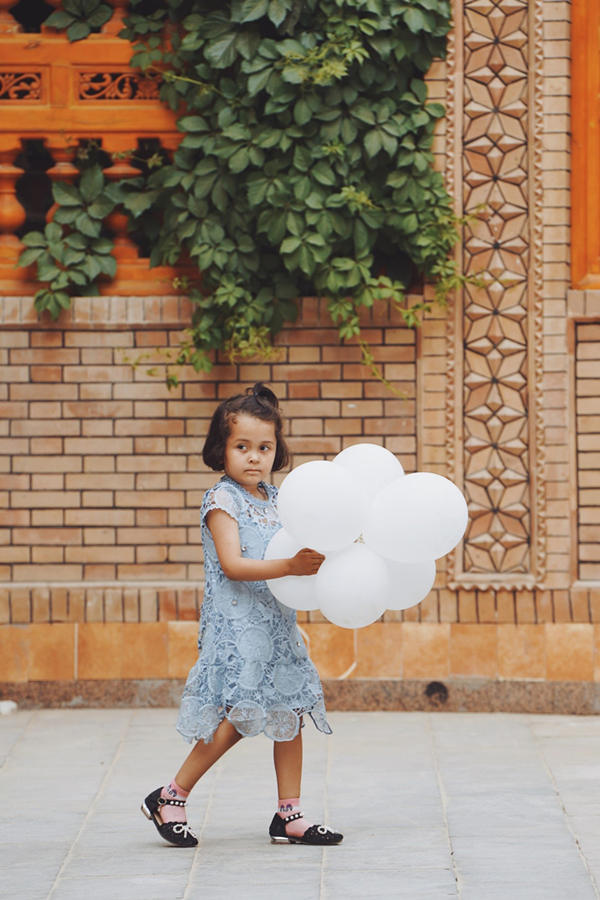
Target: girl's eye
[265, 448]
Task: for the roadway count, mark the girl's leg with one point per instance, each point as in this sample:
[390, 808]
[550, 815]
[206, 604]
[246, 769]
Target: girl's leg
[198, 761]
[287, 756]
[203, 756]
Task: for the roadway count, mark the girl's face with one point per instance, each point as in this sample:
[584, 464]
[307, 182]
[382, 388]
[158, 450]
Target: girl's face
[250, 451]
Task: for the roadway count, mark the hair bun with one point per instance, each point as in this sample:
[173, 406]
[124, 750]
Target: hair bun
[264, 394]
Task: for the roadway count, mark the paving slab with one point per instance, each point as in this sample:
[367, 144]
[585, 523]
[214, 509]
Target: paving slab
[433, 805]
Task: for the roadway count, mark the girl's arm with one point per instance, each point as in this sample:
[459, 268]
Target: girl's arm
[226, 536]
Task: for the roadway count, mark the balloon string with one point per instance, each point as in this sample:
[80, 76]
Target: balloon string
[305, 636]
[354, 663]
[349, 671]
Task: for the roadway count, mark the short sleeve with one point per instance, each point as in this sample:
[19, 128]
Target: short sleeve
[221, 496]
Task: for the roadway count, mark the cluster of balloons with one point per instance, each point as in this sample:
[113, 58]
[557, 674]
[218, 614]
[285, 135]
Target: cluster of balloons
[380, 530]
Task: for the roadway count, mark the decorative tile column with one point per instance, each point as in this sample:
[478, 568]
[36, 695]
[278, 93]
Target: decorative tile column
[494, 424]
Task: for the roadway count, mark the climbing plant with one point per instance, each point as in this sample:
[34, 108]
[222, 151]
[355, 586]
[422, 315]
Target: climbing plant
[71, 254]
[305, 166]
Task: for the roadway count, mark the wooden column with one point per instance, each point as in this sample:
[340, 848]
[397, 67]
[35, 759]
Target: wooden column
[8, 23]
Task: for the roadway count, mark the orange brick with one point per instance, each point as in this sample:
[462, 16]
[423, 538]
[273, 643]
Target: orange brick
[44, 338]
[47, 518]
[149, 427]
[47, 482]
[467, 606]
[521, 651]
[569, 652]
[51, 536]
[40, 598]
[151, 572]
[41, 373]
[47, 555]
[51, 652]
[562, 606]
[99, 518]
[29, 573]
[308, 391]
[45, 499]
[167, 610]
[473, 650]
[14, 649]
[47, 464]
[448, 606]
[90, 554]
[425, 650]
[505, 606]
[182, 648]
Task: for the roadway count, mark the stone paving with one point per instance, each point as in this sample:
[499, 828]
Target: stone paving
[474, 806]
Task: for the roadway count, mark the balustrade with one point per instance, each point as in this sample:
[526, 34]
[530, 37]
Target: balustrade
[63, 92]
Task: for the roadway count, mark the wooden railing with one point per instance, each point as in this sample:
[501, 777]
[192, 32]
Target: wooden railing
[61, 93]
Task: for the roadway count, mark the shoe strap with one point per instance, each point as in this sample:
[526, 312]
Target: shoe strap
[164, 801]
[293, 817]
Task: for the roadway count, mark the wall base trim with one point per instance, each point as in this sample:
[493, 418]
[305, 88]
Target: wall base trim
[452, 695]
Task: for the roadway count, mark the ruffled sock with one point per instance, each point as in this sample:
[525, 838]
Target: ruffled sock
[169, 813]
[287, 807]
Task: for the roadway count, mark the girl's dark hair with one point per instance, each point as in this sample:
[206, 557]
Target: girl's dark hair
[258, 401]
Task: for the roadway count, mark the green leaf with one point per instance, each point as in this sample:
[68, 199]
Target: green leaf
[415, 19]
[222, 53]
[34, 239]
[66, 215]
[53, 232]
[139, 203]
[91, 183]
[324, 174]
[29, 256]
[277, 11]
[193, 123]
[101, 15]
[253, 9]
[258, 81]
[87, 226]
[373, 142]
[66, 194]
[302, 112]
[78, 30]
[59, 19]
[239, 161]
[290, 244]
[101, 207]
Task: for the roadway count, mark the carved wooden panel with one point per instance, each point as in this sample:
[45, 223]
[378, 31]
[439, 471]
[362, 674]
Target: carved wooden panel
[500, 318]
[117, 86]
[20, 86]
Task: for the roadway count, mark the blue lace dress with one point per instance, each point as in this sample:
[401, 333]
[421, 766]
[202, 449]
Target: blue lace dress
[253, 665]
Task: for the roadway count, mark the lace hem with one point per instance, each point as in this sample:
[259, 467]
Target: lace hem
[279, 722]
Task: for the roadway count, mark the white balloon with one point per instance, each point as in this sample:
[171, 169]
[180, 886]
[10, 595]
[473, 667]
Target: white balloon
[415, 518]
[410, 583]
[295, 591]
[371, 465]
[353, 586]
[319, 505]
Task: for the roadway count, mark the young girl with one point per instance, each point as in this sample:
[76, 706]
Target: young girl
[253, 673]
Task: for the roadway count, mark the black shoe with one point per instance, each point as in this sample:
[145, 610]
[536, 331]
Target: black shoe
[177, 833]
[316, 834]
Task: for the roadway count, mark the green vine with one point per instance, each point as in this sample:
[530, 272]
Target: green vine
[305, 166]
[79, 17]
[72, 254]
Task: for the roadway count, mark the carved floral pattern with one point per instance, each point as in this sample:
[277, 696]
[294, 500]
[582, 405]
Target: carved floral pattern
[502, 317]
[117, 86]
[20, 85]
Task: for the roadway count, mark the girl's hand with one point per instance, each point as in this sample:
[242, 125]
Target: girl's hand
[306, 562]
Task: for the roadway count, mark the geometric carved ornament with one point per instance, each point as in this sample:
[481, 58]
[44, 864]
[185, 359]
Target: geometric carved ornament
[500, 317]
